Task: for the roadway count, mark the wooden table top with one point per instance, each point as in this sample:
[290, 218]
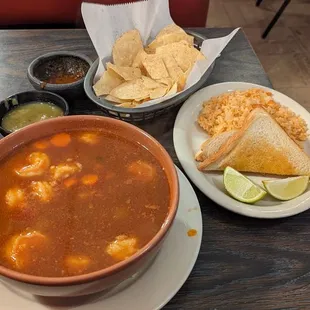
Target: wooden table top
[244, 263]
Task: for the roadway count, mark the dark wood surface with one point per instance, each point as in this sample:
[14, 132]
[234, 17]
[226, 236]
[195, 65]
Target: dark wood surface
[244, 263]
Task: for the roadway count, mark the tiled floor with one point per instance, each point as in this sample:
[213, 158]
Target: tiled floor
[285, 54]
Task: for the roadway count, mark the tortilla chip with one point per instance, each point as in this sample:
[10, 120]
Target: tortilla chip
[166, 81]
[181, 82]
[158, 92]
[170, 34]
[149, 50]
[120, 102]
[126, 48]
[113, 99]
[173, 90]
[141, 100]
[184, 54]
[127, 73]
[131, 90]
[106, 83]
[171, 38]
[190, 39]
[155, 67]
[150, 83]
[182, 79]
[172, 28]
[137, 63]
[129, 104]
[172, 67]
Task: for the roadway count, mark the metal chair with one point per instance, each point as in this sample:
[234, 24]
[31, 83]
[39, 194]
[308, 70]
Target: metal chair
[276, 17]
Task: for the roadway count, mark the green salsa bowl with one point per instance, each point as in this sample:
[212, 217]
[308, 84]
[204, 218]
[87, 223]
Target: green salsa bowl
[22, 109]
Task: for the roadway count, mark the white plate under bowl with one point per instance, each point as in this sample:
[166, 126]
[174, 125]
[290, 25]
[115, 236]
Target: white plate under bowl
[153, 289]
[188, 136]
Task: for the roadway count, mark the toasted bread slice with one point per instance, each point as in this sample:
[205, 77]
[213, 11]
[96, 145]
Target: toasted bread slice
[260, 146]
[212, 145]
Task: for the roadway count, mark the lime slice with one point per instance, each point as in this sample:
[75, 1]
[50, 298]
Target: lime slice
[241, 188]
[288, 188]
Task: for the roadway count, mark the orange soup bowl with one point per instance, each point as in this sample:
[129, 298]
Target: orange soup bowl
[121, 272]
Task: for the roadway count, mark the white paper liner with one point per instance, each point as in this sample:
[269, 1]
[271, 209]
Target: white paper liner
[105, 23]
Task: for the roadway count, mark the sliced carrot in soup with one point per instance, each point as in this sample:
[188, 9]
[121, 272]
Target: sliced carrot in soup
[89, 179]
[41, 144]
[61, 139]
[70, 182]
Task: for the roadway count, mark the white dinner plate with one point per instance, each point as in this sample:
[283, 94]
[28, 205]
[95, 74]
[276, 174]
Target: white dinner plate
[154, 288]
[188, 136]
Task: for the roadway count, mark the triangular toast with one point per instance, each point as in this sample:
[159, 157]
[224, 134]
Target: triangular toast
[260, 146]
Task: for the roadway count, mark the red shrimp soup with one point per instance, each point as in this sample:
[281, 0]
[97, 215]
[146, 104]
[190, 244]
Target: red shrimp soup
[77, 202]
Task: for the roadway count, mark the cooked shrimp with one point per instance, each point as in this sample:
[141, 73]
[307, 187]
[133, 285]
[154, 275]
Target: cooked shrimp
[15, 197]
[77, 264]
[20, 247]
[143, 171]
[43, 190]
[63, 171]
[122, 247]
[89, 137]
[38, 163]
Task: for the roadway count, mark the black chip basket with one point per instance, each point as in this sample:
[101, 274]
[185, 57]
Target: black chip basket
[134, 115]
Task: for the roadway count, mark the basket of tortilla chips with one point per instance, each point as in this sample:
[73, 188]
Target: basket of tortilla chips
[143, 82]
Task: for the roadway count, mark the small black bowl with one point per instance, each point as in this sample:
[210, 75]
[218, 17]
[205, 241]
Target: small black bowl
[13, 101]
[48, 65]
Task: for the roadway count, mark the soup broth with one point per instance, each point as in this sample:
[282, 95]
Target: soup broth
[77, 202]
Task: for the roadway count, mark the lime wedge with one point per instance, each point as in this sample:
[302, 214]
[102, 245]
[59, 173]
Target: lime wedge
[288, 188]
[241, 188]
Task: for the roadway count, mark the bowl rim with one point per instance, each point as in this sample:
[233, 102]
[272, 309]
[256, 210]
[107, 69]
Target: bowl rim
[179, 98]
[47, 56]
[114, 269]
[66, 110]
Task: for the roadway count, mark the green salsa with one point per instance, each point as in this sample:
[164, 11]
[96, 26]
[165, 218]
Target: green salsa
[29, 113]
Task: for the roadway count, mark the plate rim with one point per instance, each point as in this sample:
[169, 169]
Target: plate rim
[32, 304]
[196, 253]
[212, 191]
